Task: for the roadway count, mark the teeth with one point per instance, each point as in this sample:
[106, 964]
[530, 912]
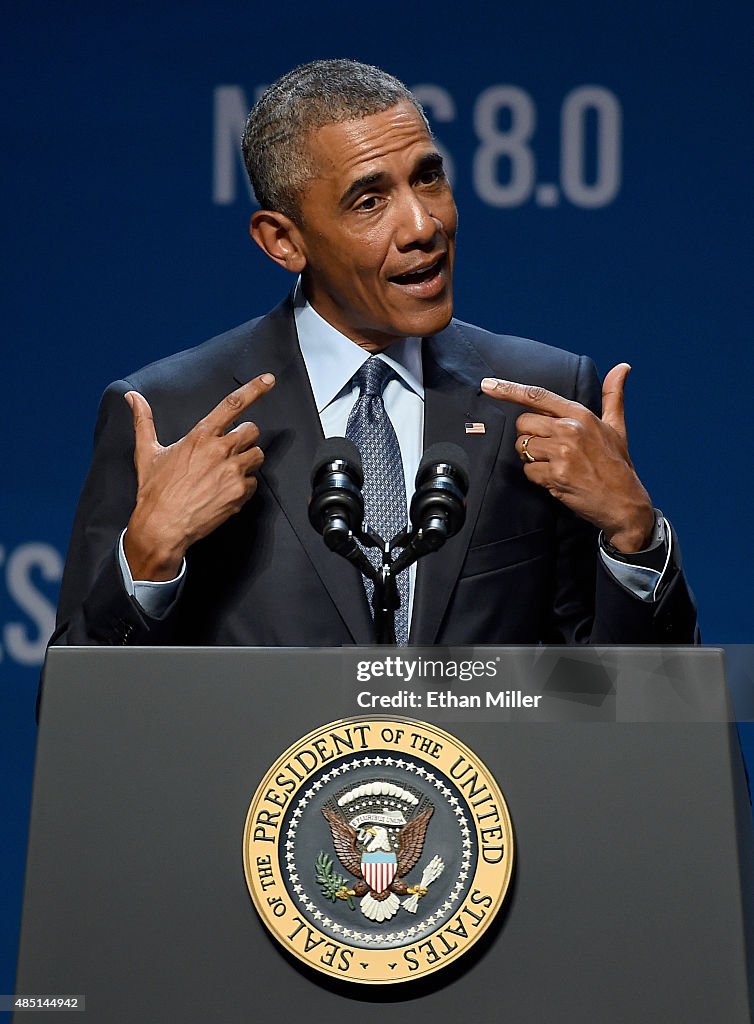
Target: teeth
[417, 275]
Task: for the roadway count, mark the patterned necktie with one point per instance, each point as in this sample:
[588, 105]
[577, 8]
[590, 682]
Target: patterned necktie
[370, 429]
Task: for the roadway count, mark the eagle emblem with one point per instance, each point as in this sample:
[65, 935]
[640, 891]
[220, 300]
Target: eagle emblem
[378, 830]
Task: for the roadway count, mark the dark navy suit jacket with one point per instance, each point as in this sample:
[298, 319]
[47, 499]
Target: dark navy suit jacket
[522, 570]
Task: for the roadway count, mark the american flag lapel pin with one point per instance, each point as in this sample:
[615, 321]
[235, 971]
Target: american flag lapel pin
[475, 428]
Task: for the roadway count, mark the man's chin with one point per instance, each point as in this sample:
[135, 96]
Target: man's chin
[422, 324]
[433, 322]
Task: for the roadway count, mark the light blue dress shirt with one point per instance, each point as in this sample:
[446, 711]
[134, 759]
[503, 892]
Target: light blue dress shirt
[332, 360]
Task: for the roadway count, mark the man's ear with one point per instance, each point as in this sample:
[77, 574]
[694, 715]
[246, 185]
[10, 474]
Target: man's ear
[279, 238]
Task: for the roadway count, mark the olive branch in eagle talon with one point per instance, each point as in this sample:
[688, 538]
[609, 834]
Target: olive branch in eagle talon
[378, 904]
[333, 885]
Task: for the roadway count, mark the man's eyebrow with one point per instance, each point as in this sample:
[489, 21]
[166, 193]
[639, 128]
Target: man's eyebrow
[366, 181]
[427, 162]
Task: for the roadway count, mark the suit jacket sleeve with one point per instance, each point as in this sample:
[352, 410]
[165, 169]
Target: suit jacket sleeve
[94, 607]
[619, 616]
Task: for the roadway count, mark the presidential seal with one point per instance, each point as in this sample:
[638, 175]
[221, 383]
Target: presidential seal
[378, 850]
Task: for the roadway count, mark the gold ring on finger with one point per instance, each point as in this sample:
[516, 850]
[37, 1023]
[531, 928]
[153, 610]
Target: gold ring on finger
[525, 449]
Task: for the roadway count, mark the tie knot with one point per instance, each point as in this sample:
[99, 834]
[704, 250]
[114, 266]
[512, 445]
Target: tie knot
[372, 377]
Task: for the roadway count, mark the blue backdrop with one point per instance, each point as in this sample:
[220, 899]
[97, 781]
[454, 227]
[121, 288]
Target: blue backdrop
[601, 156]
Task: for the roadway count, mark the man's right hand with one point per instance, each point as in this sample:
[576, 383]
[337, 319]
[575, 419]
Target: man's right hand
[186, 490]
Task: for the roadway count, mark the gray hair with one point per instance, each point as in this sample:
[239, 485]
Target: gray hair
[307, 98]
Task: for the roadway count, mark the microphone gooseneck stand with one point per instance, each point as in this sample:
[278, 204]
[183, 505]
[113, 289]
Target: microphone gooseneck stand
[336, 510]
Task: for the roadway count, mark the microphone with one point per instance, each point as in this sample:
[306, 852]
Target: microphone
[336, 506]
[438, 507]
[336, 510]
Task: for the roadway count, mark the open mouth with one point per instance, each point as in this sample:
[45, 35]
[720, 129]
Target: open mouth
[423, 275]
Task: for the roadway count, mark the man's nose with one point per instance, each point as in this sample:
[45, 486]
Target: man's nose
[417, 225]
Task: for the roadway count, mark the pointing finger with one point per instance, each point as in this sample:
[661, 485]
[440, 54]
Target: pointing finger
[612, 398]
[221, 417]
[530, 395]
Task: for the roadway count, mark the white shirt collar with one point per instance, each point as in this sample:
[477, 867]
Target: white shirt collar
[332, 359]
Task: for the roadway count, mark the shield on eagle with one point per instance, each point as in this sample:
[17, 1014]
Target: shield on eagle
[378, 869]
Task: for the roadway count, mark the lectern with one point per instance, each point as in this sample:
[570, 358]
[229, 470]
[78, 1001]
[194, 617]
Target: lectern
[630, 893]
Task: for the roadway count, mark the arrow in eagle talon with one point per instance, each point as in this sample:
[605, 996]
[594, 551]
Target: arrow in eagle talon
[430, 874]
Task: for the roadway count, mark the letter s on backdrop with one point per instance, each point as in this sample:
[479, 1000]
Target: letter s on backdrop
[24, 643]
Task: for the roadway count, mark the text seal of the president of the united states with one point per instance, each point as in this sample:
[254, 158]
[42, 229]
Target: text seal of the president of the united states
[378, 850]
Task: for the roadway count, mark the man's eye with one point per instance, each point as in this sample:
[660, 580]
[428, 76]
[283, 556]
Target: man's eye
[431, 177]
[367, 203]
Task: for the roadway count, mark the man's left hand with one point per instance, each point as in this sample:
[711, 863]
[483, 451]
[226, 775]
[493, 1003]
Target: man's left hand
[582, 459]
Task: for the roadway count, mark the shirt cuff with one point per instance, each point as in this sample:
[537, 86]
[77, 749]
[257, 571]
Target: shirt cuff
[155, 598]
[641, 580]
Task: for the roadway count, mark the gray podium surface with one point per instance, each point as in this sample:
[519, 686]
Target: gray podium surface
[625, 786]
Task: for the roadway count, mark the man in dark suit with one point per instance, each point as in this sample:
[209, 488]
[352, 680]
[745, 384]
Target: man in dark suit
[187, 533]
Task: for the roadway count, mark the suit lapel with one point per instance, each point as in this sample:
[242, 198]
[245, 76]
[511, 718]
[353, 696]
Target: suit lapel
[453, 370]
[291, 432]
